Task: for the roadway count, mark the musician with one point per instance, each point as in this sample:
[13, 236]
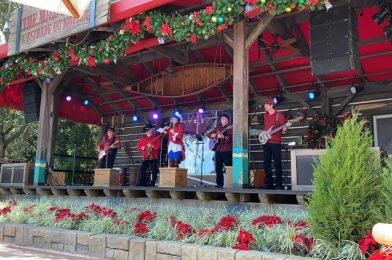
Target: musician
[149, 145]
[223, 152]
[273, 119]
[109, 143]
[176, 149]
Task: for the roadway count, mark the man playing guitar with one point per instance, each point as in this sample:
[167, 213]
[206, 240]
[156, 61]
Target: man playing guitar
[108, 149]
[149, 145]
[223, 151]
[273, 119]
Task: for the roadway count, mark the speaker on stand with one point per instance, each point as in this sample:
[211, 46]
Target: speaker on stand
[334, 40]
[31, 101]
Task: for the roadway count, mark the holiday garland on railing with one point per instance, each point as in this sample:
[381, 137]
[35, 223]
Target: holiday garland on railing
[191, 27]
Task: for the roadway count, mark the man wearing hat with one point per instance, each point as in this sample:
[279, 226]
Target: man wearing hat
[149, 146]
[273, 119]
[108, 148]
[223, 151]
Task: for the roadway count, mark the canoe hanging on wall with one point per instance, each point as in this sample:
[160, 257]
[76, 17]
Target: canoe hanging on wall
[184, 80]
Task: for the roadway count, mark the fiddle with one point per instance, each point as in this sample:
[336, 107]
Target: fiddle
[149, 152]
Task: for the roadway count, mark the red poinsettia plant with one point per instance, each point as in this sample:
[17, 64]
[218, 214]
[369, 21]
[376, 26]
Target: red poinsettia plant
[244, 240]
[7, 209]
[268, 221]
[140, 226]
[183, 229]
[373, 250]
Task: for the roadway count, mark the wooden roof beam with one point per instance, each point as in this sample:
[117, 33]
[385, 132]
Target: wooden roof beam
[124, 94]
[301, 42]
[260, 27]
[104, 74]
[171, 54]
[114, 106]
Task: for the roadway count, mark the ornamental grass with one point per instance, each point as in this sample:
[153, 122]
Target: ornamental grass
[269, 230]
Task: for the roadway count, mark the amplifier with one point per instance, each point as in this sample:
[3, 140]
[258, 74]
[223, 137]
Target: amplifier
[17, 174]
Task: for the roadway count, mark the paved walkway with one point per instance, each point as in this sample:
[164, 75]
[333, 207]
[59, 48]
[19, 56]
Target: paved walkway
[13, 252]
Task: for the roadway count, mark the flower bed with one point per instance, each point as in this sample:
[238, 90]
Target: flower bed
[279, 231]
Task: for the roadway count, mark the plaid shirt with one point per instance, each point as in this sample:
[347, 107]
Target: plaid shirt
[225, 144]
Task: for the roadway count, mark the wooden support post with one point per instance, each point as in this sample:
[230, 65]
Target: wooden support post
[47, 128]
[240, 107]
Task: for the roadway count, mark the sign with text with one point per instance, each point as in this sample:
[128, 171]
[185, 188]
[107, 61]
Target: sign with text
[32, 27]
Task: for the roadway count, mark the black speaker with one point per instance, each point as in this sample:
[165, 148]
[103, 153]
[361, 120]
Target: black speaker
[334, 40]
[31, 101]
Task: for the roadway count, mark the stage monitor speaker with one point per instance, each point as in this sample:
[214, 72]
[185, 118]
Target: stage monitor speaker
[31, 101]
[334, 40]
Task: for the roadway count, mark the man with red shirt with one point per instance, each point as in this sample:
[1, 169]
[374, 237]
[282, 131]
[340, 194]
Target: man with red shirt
[223, 152]
[273, 119]
[149, 145]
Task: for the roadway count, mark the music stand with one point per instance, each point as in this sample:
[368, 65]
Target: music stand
[199, 141]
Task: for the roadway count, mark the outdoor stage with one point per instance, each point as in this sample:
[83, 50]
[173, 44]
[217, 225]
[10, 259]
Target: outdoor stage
[178, 193]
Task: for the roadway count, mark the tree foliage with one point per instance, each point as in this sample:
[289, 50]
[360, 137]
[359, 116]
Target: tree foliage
[17, 139]
[347, 184]
[79, 139]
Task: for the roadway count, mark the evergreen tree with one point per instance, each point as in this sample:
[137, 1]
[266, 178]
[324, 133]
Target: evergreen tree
[347, 184]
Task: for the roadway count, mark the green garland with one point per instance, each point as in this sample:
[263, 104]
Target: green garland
[191, 27]
[320, 129]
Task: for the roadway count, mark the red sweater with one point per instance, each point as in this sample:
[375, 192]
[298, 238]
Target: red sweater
[178, 128]
[156, 145]
[270, 121]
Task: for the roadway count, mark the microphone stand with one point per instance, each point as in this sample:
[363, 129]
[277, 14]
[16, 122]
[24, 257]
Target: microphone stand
[73, 164]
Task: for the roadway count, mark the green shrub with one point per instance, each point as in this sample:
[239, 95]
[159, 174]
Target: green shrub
[384, 210]
[347, 184]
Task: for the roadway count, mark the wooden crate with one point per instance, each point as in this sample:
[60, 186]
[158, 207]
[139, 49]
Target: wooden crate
[105, 177]
[17, 174]
[172, 177]
[56, 178]
[228, 177]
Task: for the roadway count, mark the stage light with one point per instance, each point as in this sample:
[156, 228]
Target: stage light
[135, 118]
[177, 112]
[356, 89]
[86, 102]
[382, 15]
[388, 31]
[155, 115]
[68, 98]
[278, 99]
[201, 110]
[312, 94]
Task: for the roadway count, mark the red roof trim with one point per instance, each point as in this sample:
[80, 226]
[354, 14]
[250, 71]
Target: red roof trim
[142, 44]
[125, 8]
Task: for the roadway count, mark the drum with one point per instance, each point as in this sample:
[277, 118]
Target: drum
[257, 178]
[133, 172]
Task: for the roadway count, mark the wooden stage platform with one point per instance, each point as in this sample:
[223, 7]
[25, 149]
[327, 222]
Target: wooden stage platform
[178, 193]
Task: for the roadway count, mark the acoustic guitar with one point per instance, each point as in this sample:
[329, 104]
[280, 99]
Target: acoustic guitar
[214, 142]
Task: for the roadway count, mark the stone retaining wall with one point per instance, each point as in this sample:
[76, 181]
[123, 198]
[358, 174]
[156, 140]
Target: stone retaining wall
[122, 247]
